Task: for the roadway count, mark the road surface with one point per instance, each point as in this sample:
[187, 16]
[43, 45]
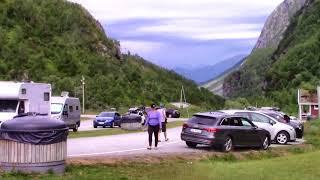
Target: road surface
[86, 125]
[130, 144]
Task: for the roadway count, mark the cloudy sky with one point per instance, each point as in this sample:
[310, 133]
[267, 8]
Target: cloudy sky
[175, 33]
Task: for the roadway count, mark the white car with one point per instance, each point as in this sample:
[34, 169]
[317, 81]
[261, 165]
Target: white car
[280, 133]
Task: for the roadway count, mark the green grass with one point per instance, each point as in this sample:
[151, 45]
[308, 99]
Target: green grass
[302, 166]
[114, 131]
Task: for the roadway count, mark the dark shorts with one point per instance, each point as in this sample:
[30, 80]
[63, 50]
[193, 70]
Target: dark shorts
[164, 127]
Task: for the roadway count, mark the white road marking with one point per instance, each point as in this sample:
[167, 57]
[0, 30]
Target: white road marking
[122, 151]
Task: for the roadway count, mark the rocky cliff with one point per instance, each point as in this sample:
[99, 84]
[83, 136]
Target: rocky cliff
[231, 85]
[277, 23]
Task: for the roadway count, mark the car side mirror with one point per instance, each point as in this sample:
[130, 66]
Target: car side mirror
[272, 122]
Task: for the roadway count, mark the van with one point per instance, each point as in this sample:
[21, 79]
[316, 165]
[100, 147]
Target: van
[18, 98]
[66, 109]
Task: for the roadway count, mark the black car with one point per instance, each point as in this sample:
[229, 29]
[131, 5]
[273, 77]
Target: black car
[172, 113]
[284, 118]
[223, 131]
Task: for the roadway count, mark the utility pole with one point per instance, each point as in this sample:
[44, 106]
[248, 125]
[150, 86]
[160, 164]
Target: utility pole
[83, 84]
[183, 97]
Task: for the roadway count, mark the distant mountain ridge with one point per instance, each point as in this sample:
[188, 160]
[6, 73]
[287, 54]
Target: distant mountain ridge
[203, 74]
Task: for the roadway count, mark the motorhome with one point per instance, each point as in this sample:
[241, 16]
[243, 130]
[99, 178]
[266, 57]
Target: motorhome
[66, 109]
[23, 97]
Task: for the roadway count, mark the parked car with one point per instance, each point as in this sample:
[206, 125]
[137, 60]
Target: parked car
[109, 119]
[282, 117]
[172, 113]
[225, 131]
[280, 133]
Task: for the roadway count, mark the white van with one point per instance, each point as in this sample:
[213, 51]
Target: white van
[66, 109]
[23, 97]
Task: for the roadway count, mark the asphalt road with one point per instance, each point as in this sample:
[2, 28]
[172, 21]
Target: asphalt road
[86, 125]
[131, 144]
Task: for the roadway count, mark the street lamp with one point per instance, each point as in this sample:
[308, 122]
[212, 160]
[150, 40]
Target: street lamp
[83, 83]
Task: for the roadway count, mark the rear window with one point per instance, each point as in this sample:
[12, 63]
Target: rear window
[203, 120]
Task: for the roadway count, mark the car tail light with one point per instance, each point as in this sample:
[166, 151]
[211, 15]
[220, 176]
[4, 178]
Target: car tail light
[185, 125]
[211, 130]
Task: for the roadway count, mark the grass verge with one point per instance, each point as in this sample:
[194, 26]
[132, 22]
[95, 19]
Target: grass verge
[290, 162]
[113, 131]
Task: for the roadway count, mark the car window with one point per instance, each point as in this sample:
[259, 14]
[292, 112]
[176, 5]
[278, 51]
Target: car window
[260, 118]
[203, 120]
[235, 122]
[243, 114]
[225, 122]
[245, 122]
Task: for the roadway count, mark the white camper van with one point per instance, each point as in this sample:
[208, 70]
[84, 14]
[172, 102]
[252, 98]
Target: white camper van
[23, 97]
[66, 109]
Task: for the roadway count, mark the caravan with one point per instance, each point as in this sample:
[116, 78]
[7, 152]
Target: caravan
[66, 109]
[23, 97]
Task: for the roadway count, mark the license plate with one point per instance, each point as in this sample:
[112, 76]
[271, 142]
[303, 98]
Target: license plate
[195, 130]
[101, 122]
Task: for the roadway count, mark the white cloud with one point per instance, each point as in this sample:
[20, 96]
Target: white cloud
[144, 47]
[195, 19]
[111, 10]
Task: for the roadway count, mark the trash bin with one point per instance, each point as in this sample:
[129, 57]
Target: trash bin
[131, 122]
[33, 143]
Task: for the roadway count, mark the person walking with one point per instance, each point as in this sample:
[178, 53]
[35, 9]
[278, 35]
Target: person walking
[163, 115]
[153, 121]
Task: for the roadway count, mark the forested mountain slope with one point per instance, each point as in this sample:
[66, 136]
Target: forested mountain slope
[294, 64]
[58, 41]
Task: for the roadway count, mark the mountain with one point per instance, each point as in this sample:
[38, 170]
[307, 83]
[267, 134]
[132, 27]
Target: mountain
[204, 73]
[277, 23]
[272, 33]
[276, 74]
[58, 42]
[215, 85]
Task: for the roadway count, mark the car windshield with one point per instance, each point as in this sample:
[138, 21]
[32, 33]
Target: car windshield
[106, 114]
[56, 108]
[276, 116]
[203, 120]
[8, 106]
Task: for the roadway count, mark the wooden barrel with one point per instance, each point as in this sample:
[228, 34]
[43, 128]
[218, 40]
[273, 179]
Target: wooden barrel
[15, 156]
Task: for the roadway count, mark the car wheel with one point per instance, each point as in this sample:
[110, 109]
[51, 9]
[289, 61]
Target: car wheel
[95, 126]
[76, 127]
[191, 144]
[228, 145]
[112, 125]
[282, 137]
[265, 143]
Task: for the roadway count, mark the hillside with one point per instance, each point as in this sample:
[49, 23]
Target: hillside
[294, 64]
[57, 42]
[270, 37]
[204, 73]
[215, 85]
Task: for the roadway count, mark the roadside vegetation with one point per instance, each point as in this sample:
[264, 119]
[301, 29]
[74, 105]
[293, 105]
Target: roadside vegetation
[113, 131]
[288, 162]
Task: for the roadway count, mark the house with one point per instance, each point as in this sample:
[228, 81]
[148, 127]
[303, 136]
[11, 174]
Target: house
[309, 103]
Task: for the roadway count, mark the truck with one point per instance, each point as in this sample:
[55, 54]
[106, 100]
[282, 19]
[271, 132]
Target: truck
[67, 109]
[18, 98]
